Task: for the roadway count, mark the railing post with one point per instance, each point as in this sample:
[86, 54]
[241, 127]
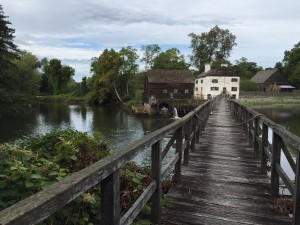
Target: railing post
[179, 141]
[186, 152]
[156, 175]
[250, 128]
[110, 199]
[296, 210]
[193, 131]
[276, 150]
[198, 128]
[256, 136]
[202, 122]
[264, 144]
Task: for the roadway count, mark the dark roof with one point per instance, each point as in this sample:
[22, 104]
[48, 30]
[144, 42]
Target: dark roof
[169, 76]
[262, 76]
[221, 72]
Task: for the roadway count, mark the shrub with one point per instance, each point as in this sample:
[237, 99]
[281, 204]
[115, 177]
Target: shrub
[248, 85]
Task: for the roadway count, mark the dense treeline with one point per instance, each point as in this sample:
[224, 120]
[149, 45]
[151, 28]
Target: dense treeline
[116, 76]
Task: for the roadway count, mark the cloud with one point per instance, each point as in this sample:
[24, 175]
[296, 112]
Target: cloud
[78, 30]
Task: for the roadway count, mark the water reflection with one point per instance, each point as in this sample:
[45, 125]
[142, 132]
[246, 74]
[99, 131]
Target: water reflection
[119, 127]
[288, 116]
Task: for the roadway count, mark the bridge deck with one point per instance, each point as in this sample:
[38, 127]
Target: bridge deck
[223, 183]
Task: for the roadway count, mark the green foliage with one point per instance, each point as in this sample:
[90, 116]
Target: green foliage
[170, 59]
[8, 50]
[215, 45]
[291, 65]
[28, 75]
[246, 70]
[128, 70]
[57, 76]
[105, 71]
[150, 52]
[247, 85]
[69, 98]
[33, 163]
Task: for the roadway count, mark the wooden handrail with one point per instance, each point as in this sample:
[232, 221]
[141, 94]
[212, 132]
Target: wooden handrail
[41, 205]
[258, 134]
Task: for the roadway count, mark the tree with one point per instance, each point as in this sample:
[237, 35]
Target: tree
[83, 86]
[246, 70]
[8, 53]
[150, 52]
[170, 59]
[291, 65]
[129, 67]
[28, 75]
[216, 45]
[58, 75]
[105, 71]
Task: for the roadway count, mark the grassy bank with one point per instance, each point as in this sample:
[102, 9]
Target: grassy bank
[65, 98]
[267, 100]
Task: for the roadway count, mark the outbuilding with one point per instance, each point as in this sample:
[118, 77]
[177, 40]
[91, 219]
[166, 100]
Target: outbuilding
[162, 85]
[270, 80]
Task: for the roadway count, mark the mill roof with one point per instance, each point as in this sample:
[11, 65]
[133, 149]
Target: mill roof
[169, 76]
[221, 72]
[262, 76]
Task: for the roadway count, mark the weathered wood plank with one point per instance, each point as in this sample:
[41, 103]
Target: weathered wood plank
[223, 183]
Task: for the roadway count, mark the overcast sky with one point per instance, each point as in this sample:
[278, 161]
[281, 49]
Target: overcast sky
[77, 30]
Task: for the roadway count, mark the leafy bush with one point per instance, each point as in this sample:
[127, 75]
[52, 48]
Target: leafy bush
[248, 85]
[33, 163]
[30, 165]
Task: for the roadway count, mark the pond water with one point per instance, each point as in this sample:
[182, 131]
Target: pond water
[286, 115]
[117, 126]
[289, 117]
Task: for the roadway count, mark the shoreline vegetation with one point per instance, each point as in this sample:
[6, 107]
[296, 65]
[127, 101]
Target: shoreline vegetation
[32, 164]
[253, 99]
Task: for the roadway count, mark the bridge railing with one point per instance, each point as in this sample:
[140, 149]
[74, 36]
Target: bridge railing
[269, 141]
[184, 133]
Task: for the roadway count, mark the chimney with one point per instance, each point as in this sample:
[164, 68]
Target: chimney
[207, 67]
[224, 65]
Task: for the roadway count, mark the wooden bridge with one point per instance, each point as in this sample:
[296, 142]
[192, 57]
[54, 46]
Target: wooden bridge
[217, 167]
[223, 183]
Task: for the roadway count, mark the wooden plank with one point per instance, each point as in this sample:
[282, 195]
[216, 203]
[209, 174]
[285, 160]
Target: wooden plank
[288, 156]
[296, 216]
[168, 146]
[265, 154]
[167, 169]
[110, 199]
[156, 175]
[179, 140]
[286, 180]
[223, 183]
[276, 152]
[134, 210]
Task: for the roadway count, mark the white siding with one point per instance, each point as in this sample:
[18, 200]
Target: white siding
[207, 87]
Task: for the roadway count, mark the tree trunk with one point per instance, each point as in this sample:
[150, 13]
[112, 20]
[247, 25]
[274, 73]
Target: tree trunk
[127, 89]
[117, 93]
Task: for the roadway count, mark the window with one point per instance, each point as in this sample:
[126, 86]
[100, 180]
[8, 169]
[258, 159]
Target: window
[196, 81]
[175, 91]
[233, 88]
[186, 91]
[201, 81]
[196, 89]
[214, 80]
[234, 80]
[165, 91]
[214, 88]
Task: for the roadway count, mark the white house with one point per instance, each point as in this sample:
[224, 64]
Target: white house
[213, 82]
